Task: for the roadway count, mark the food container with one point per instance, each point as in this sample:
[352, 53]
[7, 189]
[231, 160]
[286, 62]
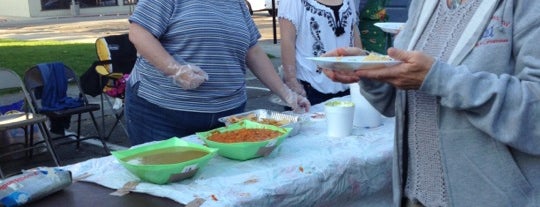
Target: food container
[32, 185]
[245, 150]
[165, 161]
[339, 118]
[268, 117]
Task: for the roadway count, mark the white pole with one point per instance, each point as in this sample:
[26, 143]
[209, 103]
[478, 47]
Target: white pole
[74, 8]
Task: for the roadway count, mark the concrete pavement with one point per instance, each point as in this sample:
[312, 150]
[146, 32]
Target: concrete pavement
[88, 28]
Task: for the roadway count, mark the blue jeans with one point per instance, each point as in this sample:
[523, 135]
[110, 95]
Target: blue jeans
[149, 122]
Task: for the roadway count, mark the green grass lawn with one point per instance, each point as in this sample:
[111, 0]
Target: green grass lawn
[20, 55]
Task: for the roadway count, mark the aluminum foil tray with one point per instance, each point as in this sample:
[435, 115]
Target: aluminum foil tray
[267, 117]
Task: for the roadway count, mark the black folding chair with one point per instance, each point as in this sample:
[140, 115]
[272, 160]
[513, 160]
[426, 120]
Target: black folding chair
[106, 77]
[36, 83]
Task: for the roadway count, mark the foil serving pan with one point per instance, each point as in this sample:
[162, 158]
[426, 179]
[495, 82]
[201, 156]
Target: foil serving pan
[267, 117]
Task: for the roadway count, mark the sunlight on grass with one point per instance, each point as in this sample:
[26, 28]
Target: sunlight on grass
[12, 42]
[20, 55]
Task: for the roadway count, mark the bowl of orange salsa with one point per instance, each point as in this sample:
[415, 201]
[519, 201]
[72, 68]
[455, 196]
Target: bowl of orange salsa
[245, 140]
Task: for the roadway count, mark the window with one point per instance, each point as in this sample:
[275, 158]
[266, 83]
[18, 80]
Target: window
[130, 2]
[97, 3]
[55, 4]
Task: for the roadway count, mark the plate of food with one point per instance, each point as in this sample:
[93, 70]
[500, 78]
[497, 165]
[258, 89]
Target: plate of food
[354, 62]
[390, 27]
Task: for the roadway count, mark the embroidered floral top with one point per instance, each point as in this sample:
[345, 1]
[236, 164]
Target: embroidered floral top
[319, 29]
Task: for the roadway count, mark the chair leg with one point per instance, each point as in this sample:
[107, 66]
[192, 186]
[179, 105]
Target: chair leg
[27, 141]
[118, 114]
[30, 139]
[48, 142]
[118, 121]
[78, 136]
[112, 129]
[102, 110]
[100, 134]
[124, 128]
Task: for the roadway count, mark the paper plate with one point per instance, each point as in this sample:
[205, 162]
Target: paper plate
[390, 27]
[350, 62]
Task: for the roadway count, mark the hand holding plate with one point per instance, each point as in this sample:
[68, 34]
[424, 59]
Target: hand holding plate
[408, 75]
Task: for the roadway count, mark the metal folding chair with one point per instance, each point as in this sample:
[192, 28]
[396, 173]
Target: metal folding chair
[35, 83]
[11, 84]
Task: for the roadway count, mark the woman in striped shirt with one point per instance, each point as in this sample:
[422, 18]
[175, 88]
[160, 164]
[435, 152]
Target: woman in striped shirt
[191, 70]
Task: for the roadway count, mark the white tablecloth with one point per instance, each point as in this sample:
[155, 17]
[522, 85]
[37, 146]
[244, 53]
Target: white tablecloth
[309, 169]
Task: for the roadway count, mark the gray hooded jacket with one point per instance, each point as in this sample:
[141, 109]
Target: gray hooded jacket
[489, 104]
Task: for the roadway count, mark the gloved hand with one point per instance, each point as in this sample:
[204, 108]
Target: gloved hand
[296, 86]
[297, 102]
[289, 77]
[187, 76]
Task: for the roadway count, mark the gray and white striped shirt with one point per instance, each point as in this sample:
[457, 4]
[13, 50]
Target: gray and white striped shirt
[212, 34]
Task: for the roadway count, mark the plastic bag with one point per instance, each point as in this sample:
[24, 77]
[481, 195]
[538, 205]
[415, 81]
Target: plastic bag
[32, 185]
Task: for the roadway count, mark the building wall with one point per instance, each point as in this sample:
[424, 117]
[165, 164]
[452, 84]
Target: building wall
[32, 8]
[397, 9]
[15, 8]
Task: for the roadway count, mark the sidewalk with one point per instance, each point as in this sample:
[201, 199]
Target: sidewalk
[88, 29]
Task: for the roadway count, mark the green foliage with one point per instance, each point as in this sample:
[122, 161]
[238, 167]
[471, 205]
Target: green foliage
[19, 55]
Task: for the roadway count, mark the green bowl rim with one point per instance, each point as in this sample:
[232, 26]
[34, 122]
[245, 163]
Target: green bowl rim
[211, 152]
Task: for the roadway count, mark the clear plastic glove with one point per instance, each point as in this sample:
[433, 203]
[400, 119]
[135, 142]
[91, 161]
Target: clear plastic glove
[187, 76]
[297, 102]
[296, 86]
[289, 77]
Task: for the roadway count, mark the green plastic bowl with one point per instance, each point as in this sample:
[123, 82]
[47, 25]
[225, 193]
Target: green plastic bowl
[164, 173]
[245, 150]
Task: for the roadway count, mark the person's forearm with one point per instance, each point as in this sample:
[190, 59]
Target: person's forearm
[261, 66]
[150, 48]
[288, 60]
[288, 49]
